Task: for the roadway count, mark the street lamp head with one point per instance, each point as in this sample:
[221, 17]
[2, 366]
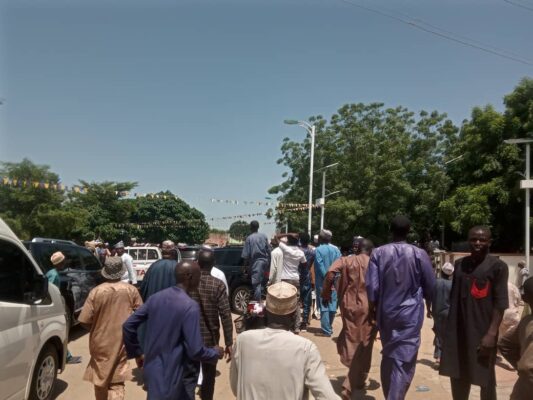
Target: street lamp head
[518, 141]
[290, 122]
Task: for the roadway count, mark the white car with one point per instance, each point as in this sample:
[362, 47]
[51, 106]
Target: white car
[33, 326]
[143, 257]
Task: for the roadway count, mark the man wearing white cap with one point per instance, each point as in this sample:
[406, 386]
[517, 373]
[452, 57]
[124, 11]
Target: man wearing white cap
[273, 363]
[129, 274]
[441, 306]
[107, 307]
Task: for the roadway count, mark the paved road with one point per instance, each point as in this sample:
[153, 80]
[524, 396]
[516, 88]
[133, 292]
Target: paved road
[427, 383]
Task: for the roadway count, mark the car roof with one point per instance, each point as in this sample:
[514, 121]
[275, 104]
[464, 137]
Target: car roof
[49, 240]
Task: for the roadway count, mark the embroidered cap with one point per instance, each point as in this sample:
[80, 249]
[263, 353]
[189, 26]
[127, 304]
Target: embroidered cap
[113, 268]
[281, 298]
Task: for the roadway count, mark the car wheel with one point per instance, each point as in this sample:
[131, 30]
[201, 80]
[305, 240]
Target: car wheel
[240, 299]
[44, 376]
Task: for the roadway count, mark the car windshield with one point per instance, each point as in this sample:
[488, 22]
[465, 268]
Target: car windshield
[189, 253]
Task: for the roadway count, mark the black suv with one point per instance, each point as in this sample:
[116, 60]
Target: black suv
[82, 270]
[228, 260]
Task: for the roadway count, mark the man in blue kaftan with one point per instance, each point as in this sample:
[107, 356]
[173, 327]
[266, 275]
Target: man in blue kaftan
[398, 279]
[173, 338]
[325, 255]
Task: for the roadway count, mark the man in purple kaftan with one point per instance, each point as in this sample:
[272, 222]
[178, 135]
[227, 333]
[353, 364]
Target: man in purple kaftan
[172, 340]
[399, 278]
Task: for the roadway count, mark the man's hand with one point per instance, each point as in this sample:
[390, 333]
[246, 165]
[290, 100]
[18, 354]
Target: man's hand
[326, 301]
[220, 352]
[488, 342]
[228, 352]
[140, 361]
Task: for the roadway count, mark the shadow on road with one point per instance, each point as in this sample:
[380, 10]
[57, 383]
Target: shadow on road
[61, 386]
[138, 377]
[428, 363]
[356, 394]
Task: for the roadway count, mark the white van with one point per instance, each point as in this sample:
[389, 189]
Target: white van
[33, 327]
[143, 257]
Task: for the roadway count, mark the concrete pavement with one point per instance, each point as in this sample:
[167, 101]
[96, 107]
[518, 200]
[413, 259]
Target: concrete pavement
[427, 384]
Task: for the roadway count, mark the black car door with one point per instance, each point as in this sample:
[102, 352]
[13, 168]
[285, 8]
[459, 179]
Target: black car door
[75, 274]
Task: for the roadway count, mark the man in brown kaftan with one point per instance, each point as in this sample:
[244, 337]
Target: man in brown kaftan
[107, 307]
[358, 330]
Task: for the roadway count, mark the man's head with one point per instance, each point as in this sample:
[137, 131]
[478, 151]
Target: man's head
[187, 275]
[479, 239]
[119, 248]
[305, 239]
[254, 226]
[324, 236]
[292, 239]
[206, 258]
[356, 245]
[528, 291]
[58, 260]
[521, 264]
[168, 250]
[367, 246]
[281, 305]
[400, 227]
[113, 269]
[447, 269]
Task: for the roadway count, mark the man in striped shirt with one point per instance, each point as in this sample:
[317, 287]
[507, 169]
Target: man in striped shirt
[214, 306]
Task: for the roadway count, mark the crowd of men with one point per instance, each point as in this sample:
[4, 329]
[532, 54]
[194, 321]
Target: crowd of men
[171, 326]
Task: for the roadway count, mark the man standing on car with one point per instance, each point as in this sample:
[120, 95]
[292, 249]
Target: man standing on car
[256, 254]
[129, 275]
[213, 300]
[107, 307]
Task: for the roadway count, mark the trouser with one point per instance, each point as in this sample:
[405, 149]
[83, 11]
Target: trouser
[115, 391]
[360, 365]
[396, 377]
[298, 313]
[258, 275]
[305, 295]
[326, 321]
[191, 370]
[209, 372]
[461, 389]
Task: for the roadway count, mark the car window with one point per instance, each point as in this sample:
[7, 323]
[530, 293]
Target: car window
[142, 254]
[133, 254]
[89, 261]
[72, 257]
[16, 273]
[152, 254]
[42, 253]
[228, 257]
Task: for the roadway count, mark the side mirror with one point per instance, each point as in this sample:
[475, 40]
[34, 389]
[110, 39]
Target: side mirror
[40, 289]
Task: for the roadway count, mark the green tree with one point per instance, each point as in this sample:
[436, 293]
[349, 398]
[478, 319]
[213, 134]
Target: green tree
[239, 230]
[105, 208]
[391, 161]
[164, 216]
[33, 211]
[485, 187]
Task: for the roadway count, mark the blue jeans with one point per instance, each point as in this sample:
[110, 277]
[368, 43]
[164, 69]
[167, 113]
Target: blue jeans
[305, 296]
[326, 321]
[258, 276]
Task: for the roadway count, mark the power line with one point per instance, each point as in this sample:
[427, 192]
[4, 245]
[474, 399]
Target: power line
[518, 5]
[431, 29]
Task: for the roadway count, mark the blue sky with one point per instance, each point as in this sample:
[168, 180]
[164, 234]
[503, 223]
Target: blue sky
[190, 96]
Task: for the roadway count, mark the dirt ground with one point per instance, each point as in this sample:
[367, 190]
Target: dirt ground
[427, 383]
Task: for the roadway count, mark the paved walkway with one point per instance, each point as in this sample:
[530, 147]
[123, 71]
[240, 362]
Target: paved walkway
[427, 383]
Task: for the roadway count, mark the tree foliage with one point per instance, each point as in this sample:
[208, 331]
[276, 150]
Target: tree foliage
[395, 161]
[99, 211]
[239, 230]
[180, 222]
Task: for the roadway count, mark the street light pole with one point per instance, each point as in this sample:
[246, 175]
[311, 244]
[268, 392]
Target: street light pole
[323, 198]
[527, 184]
[311, 130]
